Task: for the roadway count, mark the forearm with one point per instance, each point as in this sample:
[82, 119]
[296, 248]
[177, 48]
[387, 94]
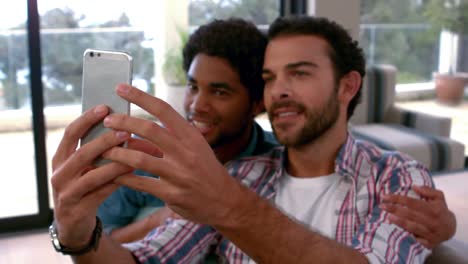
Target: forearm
[109, 251]
[269, 236]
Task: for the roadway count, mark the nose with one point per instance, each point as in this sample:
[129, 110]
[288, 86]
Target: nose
[199, 103]
[280, 88]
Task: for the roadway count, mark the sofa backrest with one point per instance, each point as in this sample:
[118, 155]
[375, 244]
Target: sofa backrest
[378, 94]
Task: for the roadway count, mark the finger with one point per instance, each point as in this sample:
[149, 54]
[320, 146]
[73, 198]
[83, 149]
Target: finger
[406, 214]
[140, 160]
[428, 192]
[76, 130]
[144, 146]
[410, 226]
[157, 107]
[94, 179]
[420, 208]
[409, 214]
[407, 201]
[94, 199]
[84, 156]
[143, 128]
[153, 186]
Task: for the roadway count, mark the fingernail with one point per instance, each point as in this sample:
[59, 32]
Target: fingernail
[100, 109]
[123, 89]
[121, 134]
[107, 121]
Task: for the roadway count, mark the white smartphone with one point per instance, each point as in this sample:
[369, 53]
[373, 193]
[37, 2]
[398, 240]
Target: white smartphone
[102, 72]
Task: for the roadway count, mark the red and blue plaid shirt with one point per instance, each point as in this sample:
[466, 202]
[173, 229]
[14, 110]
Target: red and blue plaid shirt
[367, 173]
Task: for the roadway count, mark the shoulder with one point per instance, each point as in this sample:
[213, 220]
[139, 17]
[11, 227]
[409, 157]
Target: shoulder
[384, 165]
[256, 166]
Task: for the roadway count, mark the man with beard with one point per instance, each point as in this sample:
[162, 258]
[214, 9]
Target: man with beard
[223, 95]
[315, 200]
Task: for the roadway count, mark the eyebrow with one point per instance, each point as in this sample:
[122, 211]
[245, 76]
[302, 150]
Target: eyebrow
[294, 65]
[300, 64]
[222, 85]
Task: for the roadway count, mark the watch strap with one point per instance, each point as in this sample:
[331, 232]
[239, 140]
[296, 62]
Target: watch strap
[92, 245]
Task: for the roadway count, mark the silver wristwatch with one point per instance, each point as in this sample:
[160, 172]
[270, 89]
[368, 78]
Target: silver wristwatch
[93, 243]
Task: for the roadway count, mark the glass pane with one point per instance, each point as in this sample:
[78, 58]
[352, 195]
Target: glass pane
[153, 32]
[18, 179]
[68, 28]
[389, 26]
[408, 35]
[261, 12]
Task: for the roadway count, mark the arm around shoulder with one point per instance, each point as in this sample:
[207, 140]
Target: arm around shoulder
[379, 239]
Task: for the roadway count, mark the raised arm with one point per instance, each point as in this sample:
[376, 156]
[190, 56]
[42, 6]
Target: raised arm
[79, 187]
[198, 187]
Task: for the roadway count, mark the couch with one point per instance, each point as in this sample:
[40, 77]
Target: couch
[422, 136]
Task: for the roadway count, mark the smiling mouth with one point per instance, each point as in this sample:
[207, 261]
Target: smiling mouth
[286, 114]
[203, 127]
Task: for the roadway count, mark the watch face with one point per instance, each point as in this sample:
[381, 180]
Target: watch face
[54, 237]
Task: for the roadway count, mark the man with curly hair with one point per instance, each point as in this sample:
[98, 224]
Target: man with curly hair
[223, 62]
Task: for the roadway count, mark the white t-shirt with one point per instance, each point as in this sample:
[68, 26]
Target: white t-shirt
[311, 201]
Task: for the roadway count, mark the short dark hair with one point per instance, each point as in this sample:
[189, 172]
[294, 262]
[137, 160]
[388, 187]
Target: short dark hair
[345, 53]
[239, 42]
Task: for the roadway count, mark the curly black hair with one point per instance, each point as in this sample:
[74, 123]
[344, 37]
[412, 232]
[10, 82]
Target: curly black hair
[345, 53]
[238, 41]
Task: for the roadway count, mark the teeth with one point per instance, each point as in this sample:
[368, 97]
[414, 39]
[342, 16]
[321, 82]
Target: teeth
[201, 124]
[287, 114]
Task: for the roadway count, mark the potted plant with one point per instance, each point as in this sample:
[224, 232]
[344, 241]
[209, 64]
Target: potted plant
[173, 72]
[450, 16]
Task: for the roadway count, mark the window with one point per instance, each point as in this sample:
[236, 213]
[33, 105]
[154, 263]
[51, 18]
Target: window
[151, 34]
[261, 12]
[397, 33]
[18, 180]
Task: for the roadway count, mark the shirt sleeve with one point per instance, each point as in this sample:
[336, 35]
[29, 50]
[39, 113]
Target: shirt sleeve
[124, 205]
[178, 241]
[382, 242]
[119, 209]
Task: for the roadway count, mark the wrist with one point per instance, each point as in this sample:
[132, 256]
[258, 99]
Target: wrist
[242, 210]
[75, 246]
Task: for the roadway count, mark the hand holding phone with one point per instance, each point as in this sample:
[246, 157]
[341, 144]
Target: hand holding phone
[102, 72]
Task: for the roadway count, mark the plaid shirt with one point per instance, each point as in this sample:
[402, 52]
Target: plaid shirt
[367, 173]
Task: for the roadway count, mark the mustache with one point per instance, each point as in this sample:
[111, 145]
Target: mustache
[288, 103]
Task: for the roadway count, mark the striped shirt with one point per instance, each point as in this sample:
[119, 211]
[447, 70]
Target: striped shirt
[366, 174]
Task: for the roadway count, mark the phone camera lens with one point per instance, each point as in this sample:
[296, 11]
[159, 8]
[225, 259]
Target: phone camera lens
[91, 54]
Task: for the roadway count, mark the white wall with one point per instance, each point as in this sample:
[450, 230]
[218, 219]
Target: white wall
[344, 12]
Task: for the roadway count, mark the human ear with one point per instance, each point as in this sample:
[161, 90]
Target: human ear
[349, 86]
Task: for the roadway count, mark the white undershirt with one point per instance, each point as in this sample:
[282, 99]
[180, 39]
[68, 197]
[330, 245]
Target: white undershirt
[311, 201]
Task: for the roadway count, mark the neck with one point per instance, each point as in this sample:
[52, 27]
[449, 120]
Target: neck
[234, 148]
[318, 157]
